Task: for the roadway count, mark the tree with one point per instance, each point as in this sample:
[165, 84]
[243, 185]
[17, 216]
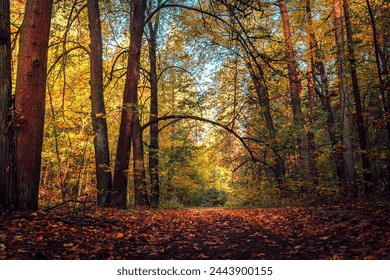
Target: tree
[30, 100]
[129, 110]
[317, 69]
[382, 69]
[358, 104]
[308, 163]
[102, 156]
[350, 186]
[6, 124]
[153, 146]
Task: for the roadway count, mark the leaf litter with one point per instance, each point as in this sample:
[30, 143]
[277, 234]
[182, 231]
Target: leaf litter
[351, 231]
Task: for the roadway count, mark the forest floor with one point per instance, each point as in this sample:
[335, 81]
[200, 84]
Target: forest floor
[322, 232]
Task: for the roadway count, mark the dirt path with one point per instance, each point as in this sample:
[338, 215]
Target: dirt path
[287, 233]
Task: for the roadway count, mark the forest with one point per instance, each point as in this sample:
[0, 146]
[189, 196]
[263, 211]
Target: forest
[196, 129]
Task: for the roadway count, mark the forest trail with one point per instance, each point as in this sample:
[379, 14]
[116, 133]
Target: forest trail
[327, 232]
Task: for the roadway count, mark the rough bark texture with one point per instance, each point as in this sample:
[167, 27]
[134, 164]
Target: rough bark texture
[30, 100]
[102, 154]
[307, 162]
[153, 146]
[6, 125]
[368, 184]
[130, 101]
[350, 186]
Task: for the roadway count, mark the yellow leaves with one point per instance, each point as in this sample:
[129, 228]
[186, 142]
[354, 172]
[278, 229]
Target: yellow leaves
[66, 245]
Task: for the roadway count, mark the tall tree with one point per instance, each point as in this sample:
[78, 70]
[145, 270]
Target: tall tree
[153, 145]
[382, 69]
[30, 99]
[307, 160]
[130, 105]
[311, 79]
[6, 129]
[358, 104]
[102, 154]
[350, 186]
[317, 68]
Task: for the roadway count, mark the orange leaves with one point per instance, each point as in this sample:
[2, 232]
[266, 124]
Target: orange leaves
[284, 233]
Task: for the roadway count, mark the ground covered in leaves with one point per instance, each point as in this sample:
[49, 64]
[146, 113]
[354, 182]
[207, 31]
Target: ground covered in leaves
[322, 232]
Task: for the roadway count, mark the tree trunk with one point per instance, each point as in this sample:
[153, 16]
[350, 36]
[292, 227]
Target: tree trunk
[130, 102]
[153, 146]
[311, 85]
[140, 193]
[7, 170]
[383, 86]
[358, 105]
[350, 186]
[317, 67]
[102, 152]
[30, 100]
[307, 170]
[263, 99]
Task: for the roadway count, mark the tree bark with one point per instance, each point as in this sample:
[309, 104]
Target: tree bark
[140, 192]
[307, 162]
[130, 102]
[102, 152]
[368, 184]
[7, 168]
[153, 145]
[30, 100]
[350, 186]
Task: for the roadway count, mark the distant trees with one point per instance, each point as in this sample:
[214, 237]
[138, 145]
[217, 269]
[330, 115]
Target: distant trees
[290, 80]
[307, 168]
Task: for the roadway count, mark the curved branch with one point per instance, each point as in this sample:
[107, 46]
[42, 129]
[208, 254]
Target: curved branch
[64, 54]
[182, 117]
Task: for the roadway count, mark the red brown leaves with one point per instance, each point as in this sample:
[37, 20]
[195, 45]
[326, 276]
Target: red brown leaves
[351, 232]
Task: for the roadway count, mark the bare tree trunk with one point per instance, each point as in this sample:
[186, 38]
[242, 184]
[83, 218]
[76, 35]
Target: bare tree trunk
[350, 186]
[130, 102]
[7, 168]
[30, 99]
[358, 105]
[140, 193]
[308, 172]
[153, 146]
[102, 151]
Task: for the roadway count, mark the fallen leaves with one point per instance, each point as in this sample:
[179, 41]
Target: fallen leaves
[348, 232]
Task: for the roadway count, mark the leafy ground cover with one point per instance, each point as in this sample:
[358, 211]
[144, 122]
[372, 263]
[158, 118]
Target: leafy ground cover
[322, 232]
